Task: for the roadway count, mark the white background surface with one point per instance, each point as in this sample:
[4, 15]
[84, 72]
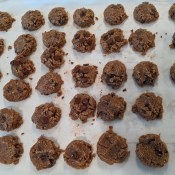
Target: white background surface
[131, 127]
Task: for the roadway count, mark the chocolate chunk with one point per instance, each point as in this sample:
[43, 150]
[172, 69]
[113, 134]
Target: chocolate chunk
[152, 151]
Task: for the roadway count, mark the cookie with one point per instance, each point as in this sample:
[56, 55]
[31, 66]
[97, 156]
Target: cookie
[82, 107]
[142, 40]
[6, 21]
[152, 151]
[172, 72]
[84, 41]
[172, 12]
[145, 13]
[10, 119]
[54, 38]
[172, 45]
[46, 116]
[44, 153]
[58, 16]
[78, 154]
[112, 41]
[115, 14]
[50, 83]
[22, 67]
[25, 45]
[111, 107]
[112, 148]
[53, 58]
[145, 73]
[148, 106]
[17, 90]
[1, 75]
[11, 149]
[2, 45]
[83, 17]
[84, 76]
[32, 20]
[114, 74]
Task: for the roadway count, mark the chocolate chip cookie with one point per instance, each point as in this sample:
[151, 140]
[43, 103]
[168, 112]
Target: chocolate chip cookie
[152, 151]
[2, 45]
[148, 106]
[112, 148]
[172, 45]
[84, 41]
[145, 73]
[172, 12]
[142, 40]
[172, 72]
[83, 17]
[145, 13]
[10, 119]
[32, 20]
[16, 90]
[82, 107]
[53, 58]
[114, 74]
[84, 76]
[50, 83]
[112, 41]
[54, 38]
[115, 14]
[25, 45]
[111, 107]
[22, 67]
[46, 116]
[6, 21]
[78, 154]
[44, 153]
[58, 16]
[11, 149]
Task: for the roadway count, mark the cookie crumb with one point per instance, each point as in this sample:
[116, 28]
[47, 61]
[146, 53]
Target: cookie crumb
[62, 97]
[66, 54]
[161, 36]
[166, 33]
[92, 123]
[124, 90]
[30, 78]
[96, 18]
[72, 62]
[93, 119]
[99, 62]
[156, 33]
[7, 73]
[9, 47]
[22, 133]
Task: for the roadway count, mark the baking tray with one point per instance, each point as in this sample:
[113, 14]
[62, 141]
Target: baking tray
[131, 127]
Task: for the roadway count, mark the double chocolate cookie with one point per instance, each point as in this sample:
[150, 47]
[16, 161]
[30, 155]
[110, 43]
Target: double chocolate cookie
[172, 45]
[172, 12]
[111, 107]
[82, 107]
[152, 151]
[2, 45]
[172, 72]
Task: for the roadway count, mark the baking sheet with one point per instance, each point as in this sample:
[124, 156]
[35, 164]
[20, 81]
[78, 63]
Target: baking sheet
[131, 127]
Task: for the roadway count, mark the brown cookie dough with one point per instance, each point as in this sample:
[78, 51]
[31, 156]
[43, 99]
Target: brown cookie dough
[111, 107]
[54, 38]
[172, 72]
[50, 83]
[114, 74]
[52, 58]
[145, 73]
[82, 107]
[25, 45]
[10, 119]
[58, 16]
[22, 67]
[112, 148]
[148, 106]
[46, 116]
[172, 12]
[78, 154]
[17, 90]
[32, 20]
[172, 45]
[83, 17]
[115, 14]
[5, 21]
[84, 76]
[142, 40]
[113, 41]
[44, 153]
[2, 45]
[152, 151]
[145, 13]
[11, 149]
[84, 41]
